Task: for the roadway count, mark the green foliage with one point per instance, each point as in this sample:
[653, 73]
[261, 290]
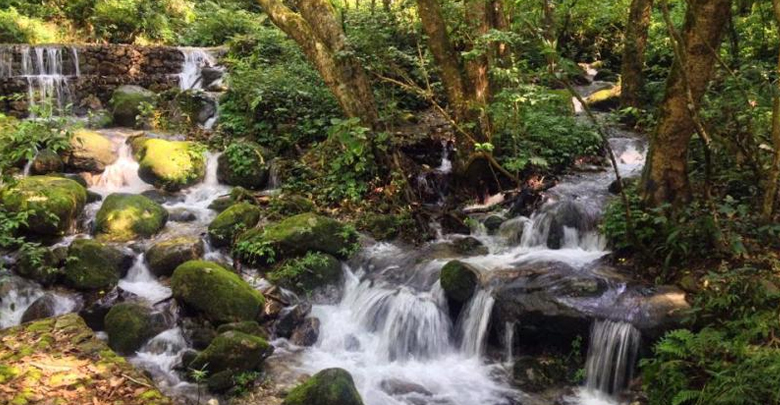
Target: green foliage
[217, 22]
[125, 21]
[20, 141]
[244, 382]
[307, 272]
[243, 158]
[17, 28]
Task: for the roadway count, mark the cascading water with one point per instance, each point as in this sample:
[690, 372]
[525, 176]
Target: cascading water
[611, 356]
[192, 78]
[141, 282]
[46, 70]
[473, 323]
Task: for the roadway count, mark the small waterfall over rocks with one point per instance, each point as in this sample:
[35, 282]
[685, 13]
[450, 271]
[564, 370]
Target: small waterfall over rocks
[612, 355]
[48, 71]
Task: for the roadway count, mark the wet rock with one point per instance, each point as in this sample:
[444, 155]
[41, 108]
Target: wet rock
[170, 165]
[397, 387]
[44, 307]
[45, 162]
[182, 215]
[604, 100]
[470, 246]
[124, 217]
[93, 266]
[95, 313]
[606, 75]
[221, 382]
[126, 102]
[234, 351]
[537, 374]
[493, 223]
[218, 294]
[454, 224]
[209, 75]
[93, 197]
[290, 204]
[221, 204]
[54, 203]
[244, 164]
[351, 343]
[459, 281]
[333, 386]
[187, 357]
[89, 152]
[236, 219]
[306, 274]
[163, 197]
[197, 106]
[567, 214]
[41, 265]
[290, 318]
[296, 236]
[129, 326]
[198, 332]
[248, 327]
[307, 333]
[513, 229]
[164, 257]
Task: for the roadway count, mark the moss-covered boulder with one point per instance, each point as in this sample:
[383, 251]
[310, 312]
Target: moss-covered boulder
[126, 101]
[54, 202]
[307, 273]
[235, 351]
[286, 205]
[295, 236]
[218, 294]
[41, 264]
[248, 327]
[170, 165]
[92, 266]
[89, 152]
[164, 257]
[243, 164]
[333, 386]
[45, 162]
[129, 326]
[125, 217]
[604, 100]
[459, 281]
[234, 220]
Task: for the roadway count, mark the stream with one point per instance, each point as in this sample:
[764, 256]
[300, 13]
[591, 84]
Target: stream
[390, 325]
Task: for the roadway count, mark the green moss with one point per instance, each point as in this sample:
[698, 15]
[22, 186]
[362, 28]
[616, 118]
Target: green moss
[332, 386]
[128, 326]
[89, 151]
[248, 327]
[295, 236]
[7, 373]
[125, 217]
[307, 273]
[236, 219]
[243, 164]
[53, 203]
[40, 264]
[220, 295]
[171, 165]
[92, 265]
[126, 101]
[605, 99]
[164, 257]
[459, 280]
[234, 351]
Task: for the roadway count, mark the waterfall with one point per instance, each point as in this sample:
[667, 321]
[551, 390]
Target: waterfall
[509, 341]
[612, 354]
[120, 176]
[46, 72]
[473, 323]
[195, 60]
[140, 281]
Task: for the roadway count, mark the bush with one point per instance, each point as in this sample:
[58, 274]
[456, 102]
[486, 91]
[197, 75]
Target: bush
[215, 24]
[17, 28]
[125, 21]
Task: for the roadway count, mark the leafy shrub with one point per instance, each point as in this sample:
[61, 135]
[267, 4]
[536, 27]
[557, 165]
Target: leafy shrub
[215, 24]
[17, 28]
[125, 21]
[20, 141]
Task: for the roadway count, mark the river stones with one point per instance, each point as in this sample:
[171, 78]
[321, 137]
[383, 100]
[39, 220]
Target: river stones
[493, 223]
[92, 266]
[248, 327]
[307, 333]
[295, 236]
[164, 257]
[459, 281]
[41, 265]
[243, 164]
[126, 102]
[54, 203]
[89, 152]
[170, 165]
[217, 294]
[124, 217]
[43, 307]
[333, 386]
[604, 100]
[45, 162]
[129, 326]
[305, 274]
[234, 351]
[469, 246]
[236, 219]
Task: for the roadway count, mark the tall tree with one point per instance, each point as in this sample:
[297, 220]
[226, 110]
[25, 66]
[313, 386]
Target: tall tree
[634, 46]
[314, 26]
[666, 174]
[770, 190]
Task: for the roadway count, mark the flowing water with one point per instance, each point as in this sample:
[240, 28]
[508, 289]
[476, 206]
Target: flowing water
[48, 71]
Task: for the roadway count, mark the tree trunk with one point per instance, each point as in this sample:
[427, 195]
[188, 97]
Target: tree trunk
[666, 174]
[770, 191]
[477, 68]
[632, 78]
[318, 33]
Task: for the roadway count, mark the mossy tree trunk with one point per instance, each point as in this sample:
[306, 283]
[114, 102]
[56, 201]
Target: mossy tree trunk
[634, 53]
[317, 31]
[770, 191]
[666, 174]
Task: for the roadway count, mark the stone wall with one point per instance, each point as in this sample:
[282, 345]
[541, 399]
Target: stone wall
[101, 68]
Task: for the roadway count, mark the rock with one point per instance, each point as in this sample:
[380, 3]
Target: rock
[290, 318]
[66, 340]
[604, 100]
[125, 217]
[126, 101]
[537, 374]
[45, 162]
[606, 75]
[89, 152]
[568, 214]
[333, 386]
[92, 266]
[451, 223]
[44, 307]
[182, 215]
[234, 351]
[196, 106]
[290, 204]
[95, 313]
[296, 236]
[170, 165]
[459, 281]
[380, 226]
[513, 229]
[470, 246]
[221, 382]
[54, 203]
[164, 257]
[199, 333]
[129, 326]
[41, 265]
[396, 387]
[221, 204]
[248, 327]
[163, 197]
[493, 223]
[307, 333]
[220, 295]
[93, 197]
[305, 274]
[209, 75]
[243, 164]
[236, 219]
